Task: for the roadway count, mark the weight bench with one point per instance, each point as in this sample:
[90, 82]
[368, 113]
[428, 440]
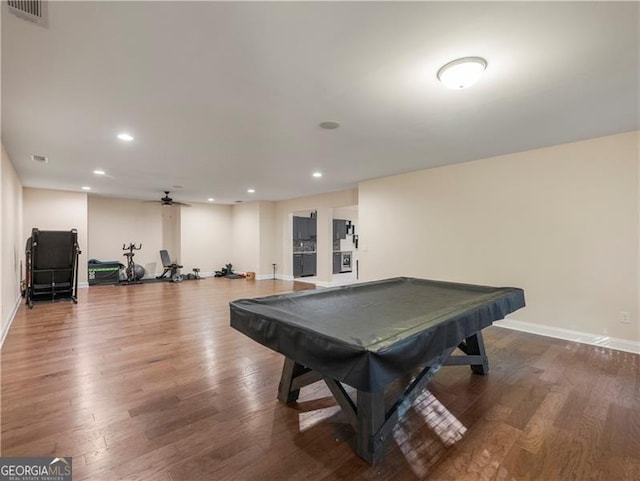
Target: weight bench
[170, 268]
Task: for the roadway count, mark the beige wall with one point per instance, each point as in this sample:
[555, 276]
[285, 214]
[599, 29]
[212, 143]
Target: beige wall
[253, 244]
[268, 250]
[324, 205]
[245, 237]
[205, 237]
[114, 222]
[561, 222]
[12, 242]
[58, 210]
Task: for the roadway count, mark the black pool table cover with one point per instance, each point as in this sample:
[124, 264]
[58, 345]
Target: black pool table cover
[366, 335]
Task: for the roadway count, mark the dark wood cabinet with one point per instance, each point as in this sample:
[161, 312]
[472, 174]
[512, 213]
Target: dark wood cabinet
[300, 229]
[304, 238]
[297, 265]
[304, 228]
[337, 262]
[309, 263]
[313, 227]
[339, 229]
[304, 265]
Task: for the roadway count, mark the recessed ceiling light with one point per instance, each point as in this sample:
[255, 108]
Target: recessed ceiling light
[317, 175]
[39, 158]
[251, 191]
[86, 187]
[99, 172]
[125, 136]
[210, 199]
[462, 73]
[329, 125]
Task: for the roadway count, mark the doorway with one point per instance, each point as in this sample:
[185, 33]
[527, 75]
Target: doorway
[345, 245]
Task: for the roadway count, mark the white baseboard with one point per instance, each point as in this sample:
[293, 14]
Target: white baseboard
[83, 284]
[264, 277]
[569, 335]
[313, 280]
[335, 282]
[5, 331]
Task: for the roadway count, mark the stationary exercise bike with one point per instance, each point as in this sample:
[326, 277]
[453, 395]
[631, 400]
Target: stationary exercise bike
[133, 275]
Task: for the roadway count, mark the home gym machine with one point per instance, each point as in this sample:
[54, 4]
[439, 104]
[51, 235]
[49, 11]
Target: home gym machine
[134, 272]
[170, 267]
[52, 266]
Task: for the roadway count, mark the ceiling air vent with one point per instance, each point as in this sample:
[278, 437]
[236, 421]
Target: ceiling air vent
[32, 10]
[39, 158]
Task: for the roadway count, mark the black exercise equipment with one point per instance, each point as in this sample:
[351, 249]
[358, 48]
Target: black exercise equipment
[170, 268]
[226, 270]
[192, 277]
[52, 266]
[134, 272]
[104, 272]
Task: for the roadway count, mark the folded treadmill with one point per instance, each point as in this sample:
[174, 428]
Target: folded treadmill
[52, 266]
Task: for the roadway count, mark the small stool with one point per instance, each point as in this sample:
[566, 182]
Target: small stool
[196, 273]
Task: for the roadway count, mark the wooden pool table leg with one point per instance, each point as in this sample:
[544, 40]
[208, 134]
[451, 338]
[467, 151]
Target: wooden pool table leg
[371, 417]
[474, 355]
[294, 376]
[475, 347]
[289, 371]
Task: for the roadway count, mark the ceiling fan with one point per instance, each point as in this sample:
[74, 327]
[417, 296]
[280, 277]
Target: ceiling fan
[166, 200]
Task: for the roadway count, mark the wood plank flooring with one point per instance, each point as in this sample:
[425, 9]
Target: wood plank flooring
[149, 382]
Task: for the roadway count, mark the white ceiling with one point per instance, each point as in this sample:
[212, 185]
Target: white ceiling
[225, 96]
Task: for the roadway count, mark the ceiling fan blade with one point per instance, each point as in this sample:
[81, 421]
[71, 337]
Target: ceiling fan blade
[167, 200]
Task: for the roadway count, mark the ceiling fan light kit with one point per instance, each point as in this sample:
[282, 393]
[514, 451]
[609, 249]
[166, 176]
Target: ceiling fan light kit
[167, 200]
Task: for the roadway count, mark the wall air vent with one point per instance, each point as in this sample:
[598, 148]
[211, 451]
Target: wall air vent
[32, 10]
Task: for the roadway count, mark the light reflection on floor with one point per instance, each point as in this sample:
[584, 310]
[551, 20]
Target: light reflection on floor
[425, 432]
[309, 419]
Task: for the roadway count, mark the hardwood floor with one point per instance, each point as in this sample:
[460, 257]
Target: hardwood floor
[149, 382]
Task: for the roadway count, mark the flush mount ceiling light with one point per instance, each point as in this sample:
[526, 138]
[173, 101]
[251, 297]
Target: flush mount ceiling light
[462, 73]
[251, 191]
[125, 136]
[210, 199]
[99, 172]
[317, 175]
[86, 187]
